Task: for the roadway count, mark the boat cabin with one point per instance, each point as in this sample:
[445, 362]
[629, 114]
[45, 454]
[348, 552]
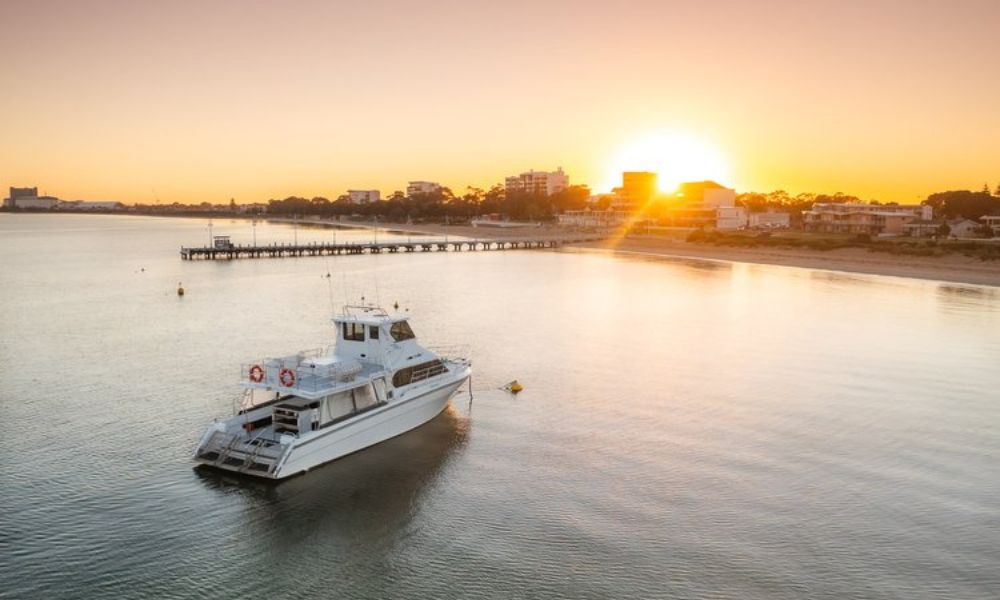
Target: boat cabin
[375, 355]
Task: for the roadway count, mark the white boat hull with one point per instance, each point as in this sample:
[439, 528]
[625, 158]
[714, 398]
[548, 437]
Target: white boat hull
[365, 430]
[376, 383]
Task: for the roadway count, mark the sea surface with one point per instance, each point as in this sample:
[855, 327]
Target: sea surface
[689, 429]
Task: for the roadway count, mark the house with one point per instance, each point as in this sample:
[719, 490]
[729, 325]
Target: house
[993, 222]
[957, 228]
[923, 228]
[963, 228]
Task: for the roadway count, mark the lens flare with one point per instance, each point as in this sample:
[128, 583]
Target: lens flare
[675, 157]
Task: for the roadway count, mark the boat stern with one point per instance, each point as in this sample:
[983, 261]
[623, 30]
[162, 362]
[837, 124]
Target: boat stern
[237, 452]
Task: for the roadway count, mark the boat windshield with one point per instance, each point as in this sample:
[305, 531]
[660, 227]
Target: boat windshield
[401, 331]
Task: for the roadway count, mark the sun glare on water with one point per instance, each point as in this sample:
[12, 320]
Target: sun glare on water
[675, 157]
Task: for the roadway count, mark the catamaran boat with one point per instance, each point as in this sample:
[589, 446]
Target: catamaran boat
[310, 408]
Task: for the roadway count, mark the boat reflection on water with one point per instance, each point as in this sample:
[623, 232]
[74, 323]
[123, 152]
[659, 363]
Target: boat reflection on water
[367, 493]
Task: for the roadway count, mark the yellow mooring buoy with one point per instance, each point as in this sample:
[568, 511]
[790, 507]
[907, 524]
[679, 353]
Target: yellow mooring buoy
[180, 289]
[514, 387]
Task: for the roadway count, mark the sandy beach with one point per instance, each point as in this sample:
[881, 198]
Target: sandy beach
[953, 268]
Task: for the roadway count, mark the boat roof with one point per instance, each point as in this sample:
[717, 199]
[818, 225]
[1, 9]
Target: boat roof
[369, 315]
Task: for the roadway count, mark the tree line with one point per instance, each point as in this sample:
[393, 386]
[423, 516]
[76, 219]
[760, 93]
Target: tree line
[443, 204]
[947, 205]
[440, 205]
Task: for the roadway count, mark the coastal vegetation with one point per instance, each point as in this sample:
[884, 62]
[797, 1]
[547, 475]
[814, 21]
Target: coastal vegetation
[445, 205]
[965, 204]
[949, 205]
[827, 242]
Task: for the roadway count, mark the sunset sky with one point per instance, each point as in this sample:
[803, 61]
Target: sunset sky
[203, 101]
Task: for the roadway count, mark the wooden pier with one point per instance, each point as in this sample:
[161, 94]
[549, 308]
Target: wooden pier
[234, 251]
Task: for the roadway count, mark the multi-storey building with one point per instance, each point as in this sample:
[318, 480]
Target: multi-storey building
[363, 196]
[638, 187]
[29, 198]
[871, 219]
[706, 204]
[543, 183]
[417, 188]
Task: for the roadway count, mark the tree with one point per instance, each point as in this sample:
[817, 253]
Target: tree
[997, 193]
[943, 230]
[963, 203]
[572, 198]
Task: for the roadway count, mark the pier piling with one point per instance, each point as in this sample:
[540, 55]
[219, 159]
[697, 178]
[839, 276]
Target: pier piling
[236, 251]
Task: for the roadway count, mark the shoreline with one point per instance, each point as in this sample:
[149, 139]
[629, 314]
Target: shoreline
[426, 229]
[951, 269]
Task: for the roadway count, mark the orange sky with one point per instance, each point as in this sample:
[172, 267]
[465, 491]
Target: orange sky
[203, 101]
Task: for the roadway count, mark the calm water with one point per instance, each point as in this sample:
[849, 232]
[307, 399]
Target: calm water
[688, 429]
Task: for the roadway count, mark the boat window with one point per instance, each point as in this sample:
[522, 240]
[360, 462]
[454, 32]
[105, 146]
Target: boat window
[402, 377]
[354, 332]
[401, 331]
[373, 332]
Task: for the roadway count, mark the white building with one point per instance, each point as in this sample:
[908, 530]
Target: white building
[363, 196]
[993, 222]
[15, 193]
[29, 198]
[730, 217]
[88, 205]
[44, 202]
[769, 220]
[593, 218]
[258, 208]
[417, 188]
[538, 182]
[707, 204]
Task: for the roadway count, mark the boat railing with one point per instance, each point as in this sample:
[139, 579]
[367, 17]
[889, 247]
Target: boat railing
[451, 352]
[427, 372]
[292, 361]
[350, 310]
[290, 374]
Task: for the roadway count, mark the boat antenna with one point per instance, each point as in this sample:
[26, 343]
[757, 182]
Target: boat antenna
[343, 275]
[470, 392]
[329, 285]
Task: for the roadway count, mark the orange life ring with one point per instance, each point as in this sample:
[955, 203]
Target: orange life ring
[287, 377]
[256, 374]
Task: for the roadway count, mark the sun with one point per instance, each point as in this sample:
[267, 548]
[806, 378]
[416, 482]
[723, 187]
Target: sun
[675, 157]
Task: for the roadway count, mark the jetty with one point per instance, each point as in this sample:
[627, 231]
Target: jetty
[228, 251]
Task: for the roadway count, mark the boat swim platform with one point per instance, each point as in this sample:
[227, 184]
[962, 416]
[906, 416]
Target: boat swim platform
[329, 249]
